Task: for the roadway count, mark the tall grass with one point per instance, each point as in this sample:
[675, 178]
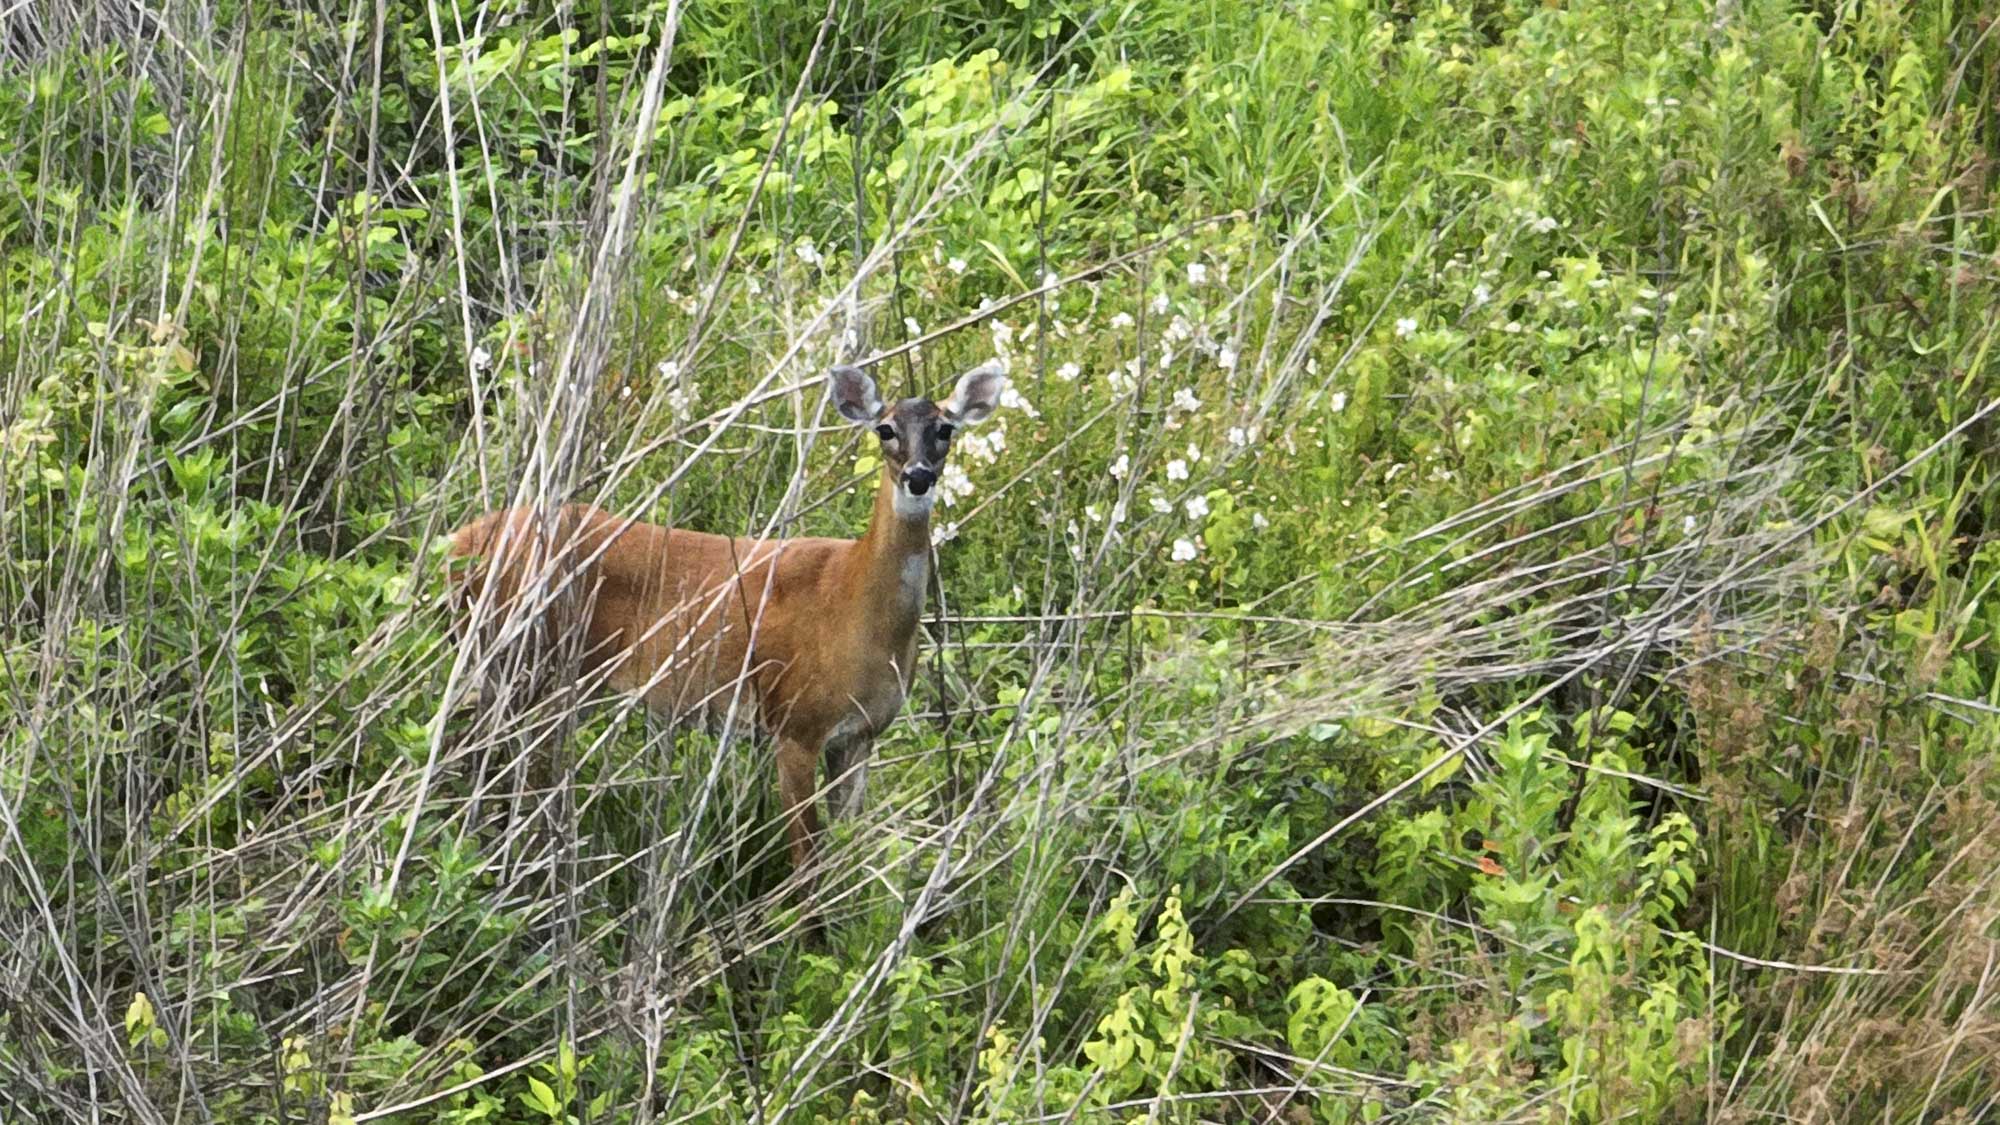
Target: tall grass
[1478, 607]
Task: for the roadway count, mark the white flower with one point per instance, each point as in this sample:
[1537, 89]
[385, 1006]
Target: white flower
[808, 253]
[1184, 550]
[624, 392]
[1687, 525]
[1184, 400]
[1226, 359]
[1068, 372]
[1118, 512]
[911, 326]
[668, 370]
[1010, 399]
[974, 447]
[953, 485]
[1197, 508]
[1406, 326]
[1238, 436]
[1160, 305]
[1258, 521]
[1481, 294]
[984, 446]
[1197, 273]
[680, 402]
[1049, 280]
[1120, 467]
[943, 533]
[1543, 225]
[1194, 452]
[1338, 402]
[1124, 379]
[1121, 320]
[1177, 469]
[1513, 326]
[1159, 503]
[956, 265]
[1178, 329]
[1091, 513]
[481, 358]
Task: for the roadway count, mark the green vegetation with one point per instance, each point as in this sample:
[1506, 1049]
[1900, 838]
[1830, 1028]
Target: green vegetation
[1481, 605]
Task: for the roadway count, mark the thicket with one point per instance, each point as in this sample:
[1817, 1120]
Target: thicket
[1479, 606]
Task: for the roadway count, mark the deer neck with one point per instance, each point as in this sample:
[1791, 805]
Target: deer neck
[894, 560]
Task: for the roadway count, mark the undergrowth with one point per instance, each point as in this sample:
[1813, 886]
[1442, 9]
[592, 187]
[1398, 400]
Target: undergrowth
[1477, 606]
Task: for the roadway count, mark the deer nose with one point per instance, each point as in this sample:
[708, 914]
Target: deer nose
[919, 478]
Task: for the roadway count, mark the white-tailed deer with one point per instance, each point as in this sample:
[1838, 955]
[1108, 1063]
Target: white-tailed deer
[821, 634]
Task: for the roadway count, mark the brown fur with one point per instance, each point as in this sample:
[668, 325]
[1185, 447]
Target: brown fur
[820, 633]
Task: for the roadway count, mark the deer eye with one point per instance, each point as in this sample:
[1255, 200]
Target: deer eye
[945, 430]
[886, 432]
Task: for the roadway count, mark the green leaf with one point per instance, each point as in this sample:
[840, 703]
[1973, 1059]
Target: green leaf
[1369, 727]
[139, 1018]
[1883, 520]
[1438, 776]
[540, 1098]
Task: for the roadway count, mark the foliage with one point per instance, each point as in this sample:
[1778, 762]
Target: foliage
[1478, 604]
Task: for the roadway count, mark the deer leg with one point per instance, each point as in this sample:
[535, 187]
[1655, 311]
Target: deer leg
[797, 765]
[846, 777]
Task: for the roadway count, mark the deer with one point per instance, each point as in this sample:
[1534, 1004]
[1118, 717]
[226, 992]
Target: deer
[818, 634]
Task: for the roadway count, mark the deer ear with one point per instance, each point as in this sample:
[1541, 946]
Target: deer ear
[977, 394]
[854, 395]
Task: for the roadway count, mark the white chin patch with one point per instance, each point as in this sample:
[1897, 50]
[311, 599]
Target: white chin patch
[914, 507]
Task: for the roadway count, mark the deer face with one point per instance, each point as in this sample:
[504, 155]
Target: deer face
[916, 433]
